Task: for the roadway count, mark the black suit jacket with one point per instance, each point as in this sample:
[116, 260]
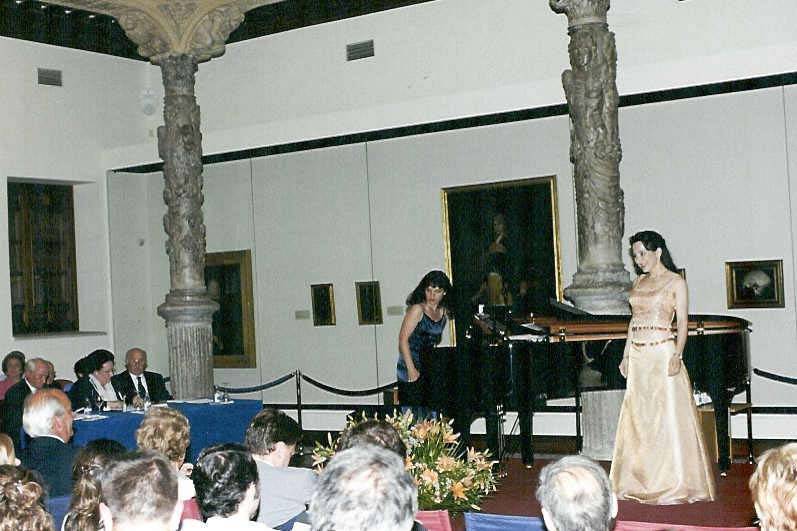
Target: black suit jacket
[12, 410]
[155, 384]
[52, 459]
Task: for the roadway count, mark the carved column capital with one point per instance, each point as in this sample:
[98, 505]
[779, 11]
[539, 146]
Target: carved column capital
[581, 12]
[163, 28]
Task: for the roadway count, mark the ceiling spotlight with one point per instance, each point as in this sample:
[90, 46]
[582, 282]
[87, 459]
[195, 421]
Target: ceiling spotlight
[92, 16]
[19, 2]
[67, 11]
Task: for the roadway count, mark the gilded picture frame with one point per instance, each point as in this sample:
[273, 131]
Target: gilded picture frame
[323, 300]
[502, 247]
[754, 284]
[369, 302]
[228, 277]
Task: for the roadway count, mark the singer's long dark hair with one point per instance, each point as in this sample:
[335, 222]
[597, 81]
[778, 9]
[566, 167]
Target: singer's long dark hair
[652, 240]
[435, 279]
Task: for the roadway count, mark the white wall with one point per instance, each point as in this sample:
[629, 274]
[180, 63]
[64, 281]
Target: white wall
[59, 135]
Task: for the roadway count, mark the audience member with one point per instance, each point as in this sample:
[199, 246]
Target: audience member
[90, 463]
[226, 481]
[136, 381]
[95, 390]
[575, 495]
[48, 420]
[22, 501]
[364, 488]
[373, 431]
[774, 488]
[82, 367]
[7, 454]
[272, 437]
[139, 492]
[13, 362]
[166, 431]
[35, 378]
[50, 381]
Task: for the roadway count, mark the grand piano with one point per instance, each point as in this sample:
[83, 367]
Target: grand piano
[519, 365]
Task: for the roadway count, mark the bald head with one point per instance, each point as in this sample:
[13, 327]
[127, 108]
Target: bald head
[136, 361]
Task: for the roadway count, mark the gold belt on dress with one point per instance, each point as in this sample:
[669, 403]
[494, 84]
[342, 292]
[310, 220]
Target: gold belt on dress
[651, 343]
[634, 328]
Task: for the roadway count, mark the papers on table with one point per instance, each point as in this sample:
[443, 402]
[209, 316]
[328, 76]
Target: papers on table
[88, 417]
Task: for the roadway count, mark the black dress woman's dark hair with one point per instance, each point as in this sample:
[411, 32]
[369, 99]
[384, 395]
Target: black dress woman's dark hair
[98, 358]
[435, 279]
[652, 240]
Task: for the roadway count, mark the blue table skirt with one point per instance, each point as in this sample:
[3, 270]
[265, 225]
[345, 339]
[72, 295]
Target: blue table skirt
[210, 424]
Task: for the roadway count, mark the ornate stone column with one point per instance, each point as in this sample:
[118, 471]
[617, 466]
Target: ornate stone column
[188, 310]
[177, 35]
[601, 282]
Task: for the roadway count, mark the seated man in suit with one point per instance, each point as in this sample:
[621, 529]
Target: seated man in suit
[47, 418]
[137, 381]
[35, 378]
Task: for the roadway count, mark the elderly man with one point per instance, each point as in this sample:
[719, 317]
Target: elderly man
[140, 492]
[36, 372]
[575, 495]
[136, 381]
[364, 488]
[47, 418]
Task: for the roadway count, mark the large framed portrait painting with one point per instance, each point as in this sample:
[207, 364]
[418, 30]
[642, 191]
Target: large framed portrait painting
[228, 277]
[502, 247]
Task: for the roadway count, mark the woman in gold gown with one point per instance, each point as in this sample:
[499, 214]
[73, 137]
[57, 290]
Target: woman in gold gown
[659, 453]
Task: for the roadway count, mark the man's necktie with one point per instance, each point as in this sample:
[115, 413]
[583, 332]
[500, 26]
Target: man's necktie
[142, 391]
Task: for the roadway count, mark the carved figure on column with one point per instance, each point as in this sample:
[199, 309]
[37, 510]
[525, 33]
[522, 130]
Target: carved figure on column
[601, 283]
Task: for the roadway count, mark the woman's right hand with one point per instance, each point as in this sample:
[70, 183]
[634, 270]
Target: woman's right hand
[624, 367]
[412, 374]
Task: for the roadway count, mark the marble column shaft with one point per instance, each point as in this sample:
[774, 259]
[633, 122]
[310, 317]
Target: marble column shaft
[188, 310]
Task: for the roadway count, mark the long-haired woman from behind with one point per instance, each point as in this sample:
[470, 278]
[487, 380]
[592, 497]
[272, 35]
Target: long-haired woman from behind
[84, 507]
[427, 313]
[22, 501]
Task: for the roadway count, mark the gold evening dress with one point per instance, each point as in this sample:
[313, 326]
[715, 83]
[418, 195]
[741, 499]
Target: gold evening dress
[660, 456]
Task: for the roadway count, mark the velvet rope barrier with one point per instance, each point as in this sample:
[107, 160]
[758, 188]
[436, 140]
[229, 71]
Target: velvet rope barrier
[345, 392]
[776, 377]
[261, 387]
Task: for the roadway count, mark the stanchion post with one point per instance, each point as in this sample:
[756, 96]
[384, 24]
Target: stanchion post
[299, 406]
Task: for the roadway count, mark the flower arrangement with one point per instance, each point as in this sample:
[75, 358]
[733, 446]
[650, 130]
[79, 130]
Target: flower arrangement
[445, 480]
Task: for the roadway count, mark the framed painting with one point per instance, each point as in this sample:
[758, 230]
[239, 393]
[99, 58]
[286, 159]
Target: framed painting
[754, 284]
[369, 302]
[502, 248]
[228, 277]
[323, 299]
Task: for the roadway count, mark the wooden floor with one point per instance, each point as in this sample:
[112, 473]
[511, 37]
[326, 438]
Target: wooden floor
[733, 508]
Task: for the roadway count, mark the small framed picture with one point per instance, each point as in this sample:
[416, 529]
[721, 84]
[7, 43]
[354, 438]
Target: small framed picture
[323, 298]
[754, 284]
[369, 302]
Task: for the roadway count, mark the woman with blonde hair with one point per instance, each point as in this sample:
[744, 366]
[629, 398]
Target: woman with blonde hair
[774, 488]
[7, 455]
[22, 501]
[166, 431]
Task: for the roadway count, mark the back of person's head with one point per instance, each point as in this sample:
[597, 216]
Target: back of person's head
[22, 501]
[363, 488]
[41, 408]
[90, 463]
[83, 366]
[164, 430]
[575, 495]
[7, 455]
[140, 490]
[774, 488]
[269, 427]
[373, 431]
[225, 476]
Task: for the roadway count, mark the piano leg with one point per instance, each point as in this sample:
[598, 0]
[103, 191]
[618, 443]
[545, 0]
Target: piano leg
[526, 422]
[723, 441]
